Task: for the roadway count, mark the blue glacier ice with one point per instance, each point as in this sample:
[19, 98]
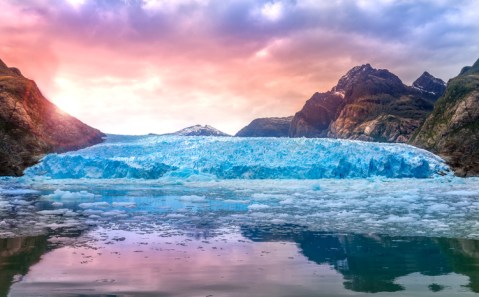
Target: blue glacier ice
[152, 157]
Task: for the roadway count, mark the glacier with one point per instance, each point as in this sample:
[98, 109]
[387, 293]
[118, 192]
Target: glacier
[175, 199]
[178, 157]
[143, 182]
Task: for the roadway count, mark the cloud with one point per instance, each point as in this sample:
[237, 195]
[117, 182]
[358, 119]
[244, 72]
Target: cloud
[138, 66]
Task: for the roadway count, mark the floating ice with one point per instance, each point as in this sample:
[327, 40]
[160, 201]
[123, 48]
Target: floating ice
[145, 182]
[59, 194]
[152, 157]
[124, 204]
[94, 205]
[193, 199]
[407, 207]
[6, 191]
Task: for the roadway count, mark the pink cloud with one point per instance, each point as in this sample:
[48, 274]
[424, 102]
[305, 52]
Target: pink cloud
[158, 66]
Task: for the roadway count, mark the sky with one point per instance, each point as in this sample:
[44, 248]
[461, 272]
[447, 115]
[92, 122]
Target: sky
[155, 66]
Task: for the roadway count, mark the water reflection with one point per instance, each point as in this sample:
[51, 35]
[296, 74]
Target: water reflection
[278, 260]
[372, 263]
[16, 257]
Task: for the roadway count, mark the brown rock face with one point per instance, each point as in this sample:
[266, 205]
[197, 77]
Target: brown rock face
[452, 129]
[430, 84]
[317, 115]
[31, 126]
[368, 104]
[266, 127]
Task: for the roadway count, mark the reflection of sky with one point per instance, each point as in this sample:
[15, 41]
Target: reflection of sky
[228, 265]
[109, 261]
[243, 237]
[169, 64]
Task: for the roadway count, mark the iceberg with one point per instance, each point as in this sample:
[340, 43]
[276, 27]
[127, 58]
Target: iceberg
[153, 157]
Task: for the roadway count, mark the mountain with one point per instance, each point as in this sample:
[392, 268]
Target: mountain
[267, 127]
[368, 104]
[31, 126]
[430, 84]
[317, 115]
[452, 129]
[198, 130]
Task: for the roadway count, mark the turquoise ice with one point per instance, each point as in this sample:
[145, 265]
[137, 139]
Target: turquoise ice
[152, 157]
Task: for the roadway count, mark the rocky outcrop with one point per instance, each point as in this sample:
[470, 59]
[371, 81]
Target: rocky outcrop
[266, 127]
[452, 129]
[368, 104]
[31, 126]
[317, 115]
[430, 84]
[199, 130]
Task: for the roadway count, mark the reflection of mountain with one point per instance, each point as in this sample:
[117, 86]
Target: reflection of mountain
[18, 254]
[463, 257]
[371, 263]
[16, 257]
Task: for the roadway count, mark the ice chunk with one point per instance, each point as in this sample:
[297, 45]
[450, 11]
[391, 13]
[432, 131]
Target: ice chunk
[94, 205]
[258, 206]
[53, 212]
[193, 199]
[17, 191]
[124, 204]
[176, 157]
[59, 194]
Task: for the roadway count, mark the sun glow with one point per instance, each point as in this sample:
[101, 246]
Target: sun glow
[76, 3]
[66, 103]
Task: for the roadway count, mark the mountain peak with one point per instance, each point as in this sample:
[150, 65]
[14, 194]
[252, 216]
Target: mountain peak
[199, 130]
[470, 69]
[267, 127]
[357, 70]
[476, 65]
[365, 79]
[9, 71]
[4, 70]
[2, 64]
[429, 84]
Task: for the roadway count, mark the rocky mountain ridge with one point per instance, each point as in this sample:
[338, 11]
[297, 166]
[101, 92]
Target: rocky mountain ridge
[452, 129]
[368, 104]
[267, 127]
[31, 126]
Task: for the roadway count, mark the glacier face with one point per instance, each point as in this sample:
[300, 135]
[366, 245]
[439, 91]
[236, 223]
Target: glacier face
[152, 157]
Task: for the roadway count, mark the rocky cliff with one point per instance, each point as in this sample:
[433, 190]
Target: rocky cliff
[430, 85]
[199, 130]
[31, 126]
[266, 127]
[452, 129]
[368, 104]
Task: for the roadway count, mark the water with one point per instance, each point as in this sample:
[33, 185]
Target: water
[196, 231]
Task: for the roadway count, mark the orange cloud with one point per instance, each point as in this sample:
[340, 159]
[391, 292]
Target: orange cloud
[158, 66]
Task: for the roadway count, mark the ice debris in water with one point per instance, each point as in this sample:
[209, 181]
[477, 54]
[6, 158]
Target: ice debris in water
[59, 194]
[152, 157]
[446, 206]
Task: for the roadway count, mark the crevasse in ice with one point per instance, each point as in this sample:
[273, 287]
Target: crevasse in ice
[152, 157]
